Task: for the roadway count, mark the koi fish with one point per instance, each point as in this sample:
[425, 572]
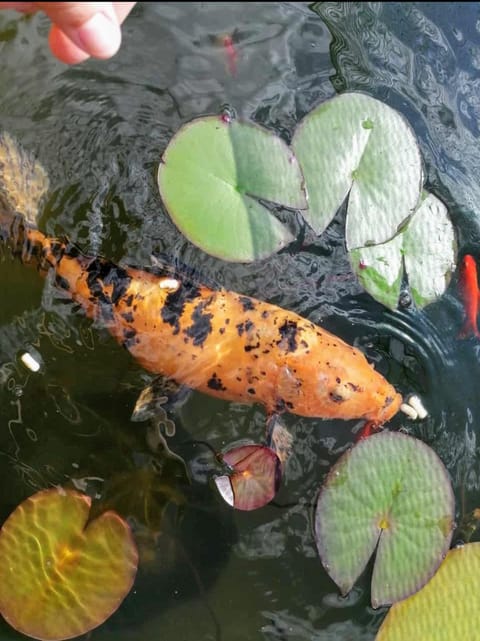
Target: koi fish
[469, 293]
[219, 342]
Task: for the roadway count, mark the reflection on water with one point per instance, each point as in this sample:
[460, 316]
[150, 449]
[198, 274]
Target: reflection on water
[99, 129]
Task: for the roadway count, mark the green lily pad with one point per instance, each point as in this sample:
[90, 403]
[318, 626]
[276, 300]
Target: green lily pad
[430, 249]
[425, 250]
[379, 269]
[389, 493]
[356, 146]
[212, 178]
[61, 575]
[446, 609]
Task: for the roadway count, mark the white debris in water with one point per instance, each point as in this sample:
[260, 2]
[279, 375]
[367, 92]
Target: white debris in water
[415, 402]
[29, 362]
[414, 408]
[224, 486]
[169, 283]
[409, 411]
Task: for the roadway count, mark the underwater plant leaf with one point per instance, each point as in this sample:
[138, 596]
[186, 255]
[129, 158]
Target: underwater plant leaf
[379, 269]
[62, 574]
[389, 493]
[356, 146]
[429, 248]
[254, 478]
[445, 608]
[211, 179]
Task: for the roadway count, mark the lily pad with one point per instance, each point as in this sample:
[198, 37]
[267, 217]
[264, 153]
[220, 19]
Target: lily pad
[254, 478]
[446, 609]
[389, 493]
[425, 249]
[61, 575]
[356, 146]
[213, 177]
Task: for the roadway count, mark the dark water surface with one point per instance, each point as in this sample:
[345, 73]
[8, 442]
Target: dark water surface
[99, 129]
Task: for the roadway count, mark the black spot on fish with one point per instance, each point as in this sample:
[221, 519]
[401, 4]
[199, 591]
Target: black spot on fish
[201, 327]
[304, 343]
[353, 387]
[175, 302]
[128, 316]
[248, 348]
[222, 330]
[247, 303]
[102, 274]
[61, 282]
[265, 314]
[129, 300]
[215, 383]
[288, 332]
[251, 390]
[71, 250]
[338, 380]
[388, 401]
[129, 337]
[244, 327]
[336, 398]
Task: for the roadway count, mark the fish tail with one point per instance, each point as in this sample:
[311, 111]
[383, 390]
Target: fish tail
[23, 184]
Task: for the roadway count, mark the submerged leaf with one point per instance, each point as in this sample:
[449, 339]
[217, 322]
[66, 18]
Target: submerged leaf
[356, 146]
[62, 575]
[390, 493]
[212, 177]
[446, 609]
[254, 478]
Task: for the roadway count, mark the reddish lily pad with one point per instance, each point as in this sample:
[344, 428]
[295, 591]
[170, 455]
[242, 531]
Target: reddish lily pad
[390, 494]
[254, 478]
[61, 575]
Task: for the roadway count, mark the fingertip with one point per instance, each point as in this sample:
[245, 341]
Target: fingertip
[64, 49]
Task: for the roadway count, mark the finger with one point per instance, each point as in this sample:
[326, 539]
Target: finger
[64, 49]
[92, 27]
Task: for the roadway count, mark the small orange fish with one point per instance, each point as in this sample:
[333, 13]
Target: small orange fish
[469, 293]
[231, 53]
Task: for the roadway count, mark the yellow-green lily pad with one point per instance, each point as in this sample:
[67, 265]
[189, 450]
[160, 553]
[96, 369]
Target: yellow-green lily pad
[60, 574]
[214, 179]
[446, 609]
[390, 494]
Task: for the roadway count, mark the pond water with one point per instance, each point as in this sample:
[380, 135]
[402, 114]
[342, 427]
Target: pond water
[208, 573]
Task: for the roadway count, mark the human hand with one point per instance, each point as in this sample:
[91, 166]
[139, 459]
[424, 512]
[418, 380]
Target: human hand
[80, 29]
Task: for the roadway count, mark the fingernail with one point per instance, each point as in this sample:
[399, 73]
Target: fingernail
[99, 36]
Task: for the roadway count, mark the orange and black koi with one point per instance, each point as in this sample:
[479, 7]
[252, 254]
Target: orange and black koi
[216, 341]
[469, 293]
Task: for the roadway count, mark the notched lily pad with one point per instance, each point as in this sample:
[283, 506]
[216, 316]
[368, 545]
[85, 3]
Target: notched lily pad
[254, 478]
[425, 250]
[214, 175]
[356, 146]
[61, 575]
[389, 493]
[446, 608]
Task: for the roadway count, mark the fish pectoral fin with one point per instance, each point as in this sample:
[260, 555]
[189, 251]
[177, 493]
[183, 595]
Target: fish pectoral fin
[278, 438]
[160, 395]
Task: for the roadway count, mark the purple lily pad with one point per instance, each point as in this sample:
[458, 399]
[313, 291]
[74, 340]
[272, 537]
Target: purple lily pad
[254, 478]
